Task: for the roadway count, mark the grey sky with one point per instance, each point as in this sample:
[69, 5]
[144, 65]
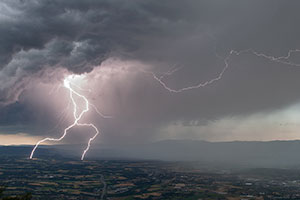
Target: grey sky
[115, 41]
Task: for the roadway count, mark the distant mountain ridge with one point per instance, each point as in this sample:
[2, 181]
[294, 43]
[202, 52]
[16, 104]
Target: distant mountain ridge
[238, 153]
[257, 154]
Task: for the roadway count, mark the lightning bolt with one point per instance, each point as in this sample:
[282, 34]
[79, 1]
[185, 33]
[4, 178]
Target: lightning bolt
[281, 59]
[162, 83]
[77, 118]
[67, 84]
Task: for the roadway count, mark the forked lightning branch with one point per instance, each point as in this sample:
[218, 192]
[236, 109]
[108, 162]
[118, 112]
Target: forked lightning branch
[285, 60]
[77, 117]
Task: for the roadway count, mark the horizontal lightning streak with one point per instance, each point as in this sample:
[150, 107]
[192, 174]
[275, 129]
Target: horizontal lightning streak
[67, 84]
[190, 87]
[282, 59]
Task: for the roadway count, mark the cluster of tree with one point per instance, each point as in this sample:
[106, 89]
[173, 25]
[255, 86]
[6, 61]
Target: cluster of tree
[26, 196]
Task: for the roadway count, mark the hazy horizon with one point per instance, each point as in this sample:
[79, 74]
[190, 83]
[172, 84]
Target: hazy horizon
[149, 71]
[149, 100]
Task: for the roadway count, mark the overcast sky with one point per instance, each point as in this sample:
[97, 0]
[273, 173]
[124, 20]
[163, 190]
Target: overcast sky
[116, 45]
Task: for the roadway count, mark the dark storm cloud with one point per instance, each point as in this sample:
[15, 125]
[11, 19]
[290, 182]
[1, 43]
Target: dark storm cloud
[37, 36]
[75, 35]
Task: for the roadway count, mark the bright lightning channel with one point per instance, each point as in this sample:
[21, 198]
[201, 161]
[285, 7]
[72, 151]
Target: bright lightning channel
[282, 60]
[77, 117]
[67, 84]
